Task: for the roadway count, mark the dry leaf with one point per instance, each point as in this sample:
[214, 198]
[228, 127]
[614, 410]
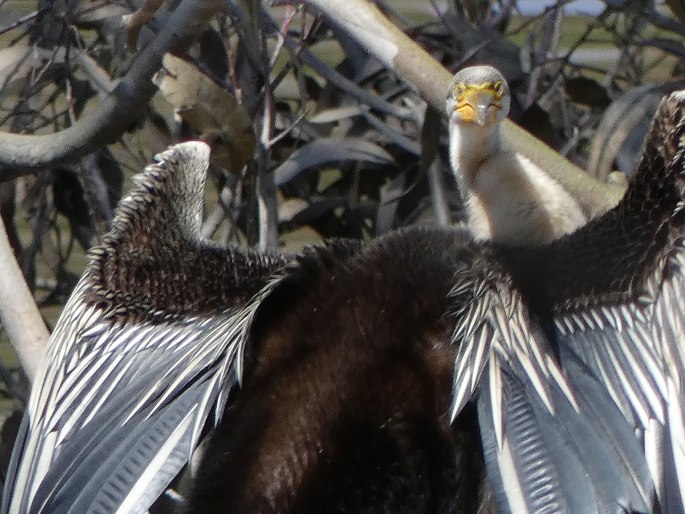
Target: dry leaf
[96, 11]
[210, 110]
[678, 9]
[291, 208]
[326, 150]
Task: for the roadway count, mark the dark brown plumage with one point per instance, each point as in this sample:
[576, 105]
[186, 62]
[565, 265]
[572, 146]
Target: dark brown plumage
[613, 257]
[346, 388]
[152, 261]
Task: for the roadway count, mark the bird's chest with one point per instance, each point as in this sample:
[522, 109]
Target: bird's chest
[478, 219]
[506, 204]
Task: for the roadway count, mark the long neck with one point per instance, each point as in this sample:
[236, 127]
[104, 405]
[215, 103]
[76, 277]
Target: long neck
[469, 147]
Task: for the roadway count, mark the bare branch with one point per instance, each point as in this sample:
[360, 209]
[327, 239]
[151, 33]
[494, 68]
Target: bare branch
[18, 311]
[113, 116]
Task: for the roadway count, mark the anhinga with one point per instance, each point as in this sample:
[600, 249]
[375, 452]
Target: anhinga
[508, 198]
[144, 352]
[420, 372]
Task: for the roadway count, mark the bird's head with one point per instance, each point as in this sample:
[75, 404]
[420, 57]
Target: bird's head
[478, 95]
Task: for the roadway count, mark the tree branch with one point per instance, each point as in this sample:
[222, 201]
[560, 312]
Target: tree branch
[18, 312]
[113, 116]
[369, 27]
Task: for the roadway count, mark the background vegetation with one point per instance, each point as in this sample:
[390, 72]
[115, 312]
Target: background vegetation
[314, 133]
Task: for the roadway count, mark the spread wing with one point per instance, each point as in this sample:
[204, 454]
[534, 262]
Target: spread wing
[147, 348]
[118, 407]
[615, 291]
[636, 348]
[551, 443]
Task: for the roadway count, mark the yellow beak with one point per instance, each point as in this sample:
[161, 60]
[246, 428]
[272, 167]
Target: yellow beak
[478, 104]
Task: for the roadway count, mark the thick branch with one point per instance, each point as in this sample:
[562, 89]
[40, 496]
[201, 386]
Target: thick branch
[364, 22]
[113, 116]
[18, 312]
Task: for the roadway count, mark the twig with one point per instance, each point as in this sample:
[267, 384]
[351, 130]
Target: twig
[436, 183]
[134, 22]
[343, 82]
[23, 20]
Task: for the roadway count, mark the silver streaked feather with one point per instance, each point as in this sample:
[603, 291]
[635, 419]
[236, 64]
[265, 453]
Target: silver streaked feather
[119, 404]
[615, 290]
[643, 368]
[546, 449]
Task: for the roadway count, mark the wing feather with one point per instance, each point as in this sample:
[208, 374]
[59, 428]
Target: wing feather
[547, 446]
[642, 366]
[142, 384]
[129, 381]
[615, 291]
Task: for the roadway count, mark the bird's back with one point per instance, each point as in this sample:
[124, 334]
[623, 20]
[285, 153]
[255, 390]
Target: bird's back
[347, 383]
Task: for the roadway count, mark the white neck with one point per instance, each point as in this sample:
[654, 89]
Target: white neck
[507, 197]
[469, 147]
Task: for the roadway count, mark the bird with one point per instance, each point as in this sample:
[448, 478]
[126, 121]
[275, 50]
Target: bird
[423, 371]
[333, 381]
[360, 386]
[507, 197]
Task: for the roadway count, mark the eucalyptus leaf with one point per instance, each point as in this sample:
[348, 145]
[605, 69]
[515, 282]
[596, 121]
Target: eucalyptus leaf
[620, 119]
[291, 208]
[210, 110]
[318, 208]
[338, 113]
[329, 150]
[671, 46]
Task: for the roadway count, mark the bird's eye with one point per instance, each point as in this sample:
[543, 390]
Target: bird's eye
[499, 87]
[458, 90]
